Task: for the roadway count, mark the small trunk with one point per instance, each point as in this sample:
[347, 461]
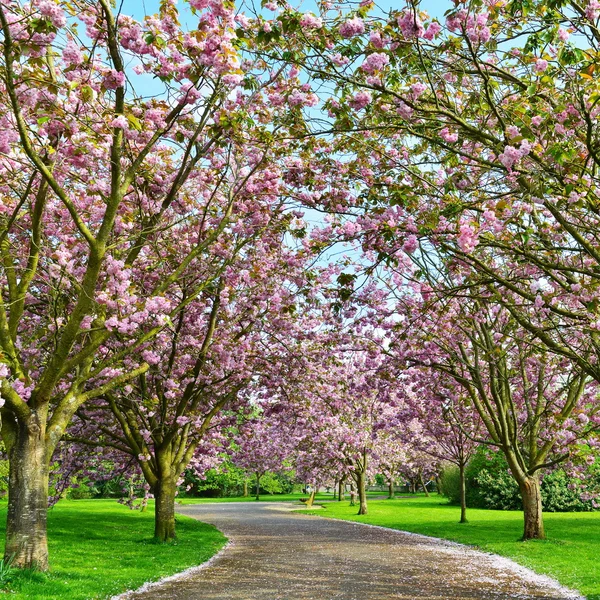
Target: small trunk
[245, 488]
[391, 489]
[438, 485]
[341, 490]
[423, 485]
[164, 509]
[362, 492]
[335, 483]
[463, 495]
[26, 529]
[311, 498]
[257, 486]
[532, 508]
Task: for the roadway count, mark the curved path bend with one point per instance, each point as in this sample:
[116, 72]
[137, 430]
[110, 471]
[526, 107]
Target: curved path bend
[278, 554]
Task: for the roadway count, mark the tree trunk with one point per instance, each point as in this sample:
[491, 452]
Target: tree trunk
[335, 487]
[245, 488]
[341, 490]
[26, 528]
[164, 508]
[463, 494]
[423, 485]
[391, 489]
[362, 492]
[257, 486]
[532, 508]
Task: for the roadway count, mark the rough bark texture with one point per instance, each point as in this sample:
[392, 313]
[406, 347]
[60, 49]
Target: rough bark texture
[362, 492]
[245, 488]
[463, 494]
[532, 508]
[391, 489]
[164, 509]
[26, 530]
[423, 485]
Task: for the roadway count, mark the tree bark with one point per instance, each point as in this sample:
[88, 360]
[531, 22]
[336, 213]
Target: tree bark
[341, 490]
[463, 494]
[26, 526]
[391, 489]
[362, 492]
[423, 485]
[245, 488]
[335, 484]
[164, 508]
[532, 508]
[257, 486]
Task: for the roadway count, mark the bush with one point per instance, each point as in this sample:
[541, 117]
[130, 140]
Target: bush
[491, 485]
[450, 484]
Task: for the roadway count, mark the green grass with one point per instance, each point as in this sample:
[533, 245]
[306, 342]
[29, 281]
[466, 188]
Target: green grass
[570, 554]
[99, 548]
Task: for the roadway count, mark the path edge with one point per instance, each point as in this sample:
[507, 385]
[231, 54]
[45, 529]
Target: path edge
[150, 585]
[501, 560]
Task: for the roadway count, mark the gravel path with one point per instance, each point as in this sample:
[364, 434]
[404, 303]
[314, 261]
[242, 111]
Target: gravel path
[278, 554]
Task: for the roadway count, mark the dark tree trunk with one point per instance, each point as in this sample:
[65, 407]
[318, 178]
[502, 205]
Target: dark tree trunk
[26, 528]
[532, 508]
[423, 485]
[257, 486]
[463, 494]
[341, 485]
[362, 492]
[335, 483]
[164, 508]
[391, 489]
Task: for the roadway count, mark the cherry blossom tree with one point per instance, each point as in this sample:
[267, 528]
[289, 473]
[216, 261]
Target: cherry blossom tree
[100, 177]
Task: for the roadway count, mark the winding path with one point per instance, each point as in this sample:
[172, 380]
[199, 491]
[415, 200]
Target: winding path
[278, 554]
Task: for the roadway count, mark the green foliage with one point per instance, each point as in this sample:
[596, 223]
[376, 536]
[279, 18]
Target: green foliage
[450, 484]
[100, 548]
[490, 485]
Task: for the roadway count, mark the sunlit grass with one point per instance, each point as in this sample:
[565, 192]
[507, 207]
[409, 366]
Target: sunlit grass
[99, 548]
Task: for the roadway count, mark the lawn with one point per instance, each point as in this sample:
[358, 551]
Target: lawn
[99, 548]
[570, 554]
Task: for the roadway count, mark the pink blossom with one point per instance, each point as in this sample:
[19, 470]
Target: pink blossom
[410, 25]
[467, 238]
[352, 27]
[120, 122]
[448, 136]
[360, 100]
[410, 244]
[563, 34]
[541, 65]
[375, 62]
[53, 12]
[433, 29]
[113, 80]
[537, 121]
[309, 21]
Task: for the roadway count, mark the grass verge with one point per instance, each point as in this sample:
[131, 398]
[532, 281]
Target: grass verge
[569, 554]
[99, 548]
